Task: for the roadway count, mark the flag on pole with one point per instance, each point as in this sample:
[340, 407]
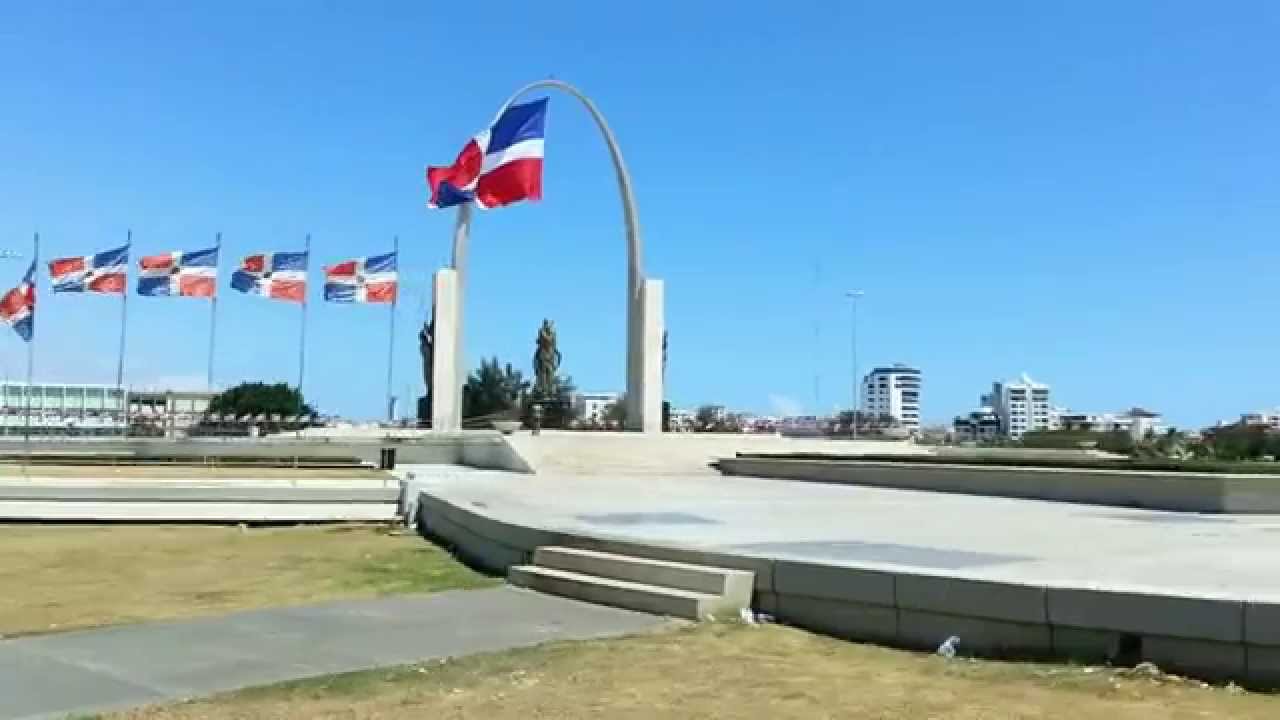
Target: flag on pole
[372, 279]
[101, 273]
[499, 166]
[18, 306]
[279, 276]
[184, 274]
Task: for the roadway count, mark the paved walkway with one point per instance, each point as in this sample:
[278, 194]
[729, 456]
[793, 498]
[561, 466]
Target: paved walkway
[54, 676]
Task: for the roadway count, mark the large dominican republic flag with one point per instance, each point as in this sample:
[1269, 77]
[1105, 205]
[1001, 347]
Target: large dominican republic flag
[182, 274]
[101, 273]
[499, 166]
[279, 276]
[372, 279]
[18, 306]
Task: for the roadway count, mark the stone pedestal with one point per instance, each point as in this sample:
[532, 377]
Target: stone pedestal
[644, 358]
[446, 397]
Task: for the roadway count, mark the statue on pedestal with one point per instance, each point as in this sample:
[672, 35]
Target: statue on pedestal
[546, 363]
[426, 348]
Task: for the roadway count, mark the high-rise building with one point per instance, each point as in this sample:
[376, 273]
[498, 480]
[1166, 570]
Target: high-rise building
[1022, 406]
[893, 391]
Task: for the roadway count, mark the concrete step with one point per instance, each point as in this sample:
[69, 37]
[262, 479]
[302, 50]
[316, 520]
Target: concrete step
[619, 593]
[732, 584]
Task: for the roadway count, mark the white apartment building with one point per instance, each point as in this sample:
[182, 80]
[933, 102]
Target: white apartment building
[1137, 422]
[1022, 406]
[61, 408]
[893, 391]
[1270, 418]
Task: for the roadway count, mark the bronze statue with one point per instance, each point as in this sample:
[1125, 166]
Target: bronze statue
[426, 347]
[546, 361]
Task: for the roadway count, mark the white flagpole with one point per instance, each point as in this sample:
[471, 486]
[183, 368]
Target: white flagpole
[391, 338]
[31, 353]
[124, 314]
[213, 308]
[302, 339]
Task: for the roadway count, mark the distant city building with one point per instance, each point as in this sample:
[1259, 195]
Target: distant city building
[981, 425]
[683, 420]
[1022, 406]
[592, 406]
[893, 391]
[168, 412]
[61, 408]
[1269, 418]
[1136, 421]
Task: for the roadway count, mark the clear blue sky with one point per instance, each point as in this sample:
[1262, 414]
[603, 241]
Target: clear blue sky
[1087, 191]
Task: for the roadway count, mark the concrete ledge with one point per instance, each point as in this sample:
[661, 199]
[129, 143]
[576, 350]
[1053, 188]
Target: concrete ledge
[972, 598]
[838, 618]
[834, 582]
[1199, 658]
[1173, 491]
[1263, 666]
[926, 631]
[1262, 622]
[1204, 637]
[1145, 614]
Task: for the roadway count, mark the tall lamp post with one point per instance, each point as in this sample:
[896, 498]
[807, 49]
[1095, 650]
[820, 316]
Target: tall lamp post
[854, 296]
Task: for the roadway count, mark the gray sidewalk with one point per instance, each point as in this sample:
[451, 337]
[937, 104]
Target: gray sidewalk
[54, 676]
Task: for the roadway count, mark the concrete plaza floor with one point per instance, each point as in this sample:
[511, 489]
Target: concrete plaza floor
[1022, 541]
[56, 676]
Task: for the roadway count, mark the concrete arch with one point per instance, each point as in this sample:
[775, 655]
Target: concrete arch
[644, 296]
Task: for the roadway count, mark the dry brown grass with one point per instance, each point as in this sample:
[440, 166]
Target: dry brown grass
[59, 577]
[728, 672]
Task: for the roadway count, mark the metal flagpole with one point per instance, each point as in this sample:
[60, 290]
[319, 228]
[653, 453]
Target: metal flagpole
[213, 308]
[302, 339]
[31, 354]
[124, 314]
[391, 336]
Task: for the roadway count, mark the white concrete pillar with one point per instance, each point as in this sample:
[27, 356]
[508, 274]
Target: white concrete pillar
[446, 391]
[652, 326]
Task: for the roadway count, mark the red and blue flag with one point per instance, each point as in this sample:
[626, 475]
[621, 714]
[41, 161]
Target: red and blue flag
[372, 279]
[279, 276]
[18, 306]
[100, 273]
[179, 274]
[499, 166]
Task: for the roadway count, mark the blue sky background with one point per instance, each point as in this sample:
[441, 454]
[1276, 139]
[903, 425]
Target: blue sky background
[1087, 191]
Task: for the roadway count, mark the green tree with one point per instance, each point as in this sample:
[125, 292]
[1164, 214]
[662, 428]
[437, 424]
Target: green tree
[255, 398]
[557, 411]
[615, 415]
[493, 389]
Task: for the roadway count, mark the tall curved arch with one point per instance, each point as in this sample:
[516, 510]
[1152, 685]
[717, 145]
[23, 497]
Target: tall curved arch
[635, 265]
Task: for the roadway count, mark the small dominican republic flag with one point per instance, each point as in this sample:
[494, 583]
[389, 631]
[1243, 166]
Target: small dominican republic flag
[279, 276]
[498, 166]
[101, 273]
[182, 274]
[371, 279]
[18, 306]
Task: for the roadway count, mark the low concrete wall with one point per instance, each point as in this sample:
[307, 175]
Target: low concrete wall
[1213, 638]
[478, 448]
[1187, 492]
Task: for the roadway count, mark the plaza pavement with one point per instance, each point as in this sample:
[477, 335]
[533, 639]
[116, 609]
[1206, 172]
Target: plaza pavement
[56, 676]
[1021, 541]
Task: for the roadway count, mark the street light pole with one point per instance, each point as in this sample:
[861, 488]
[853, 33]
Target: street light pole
[854, 296]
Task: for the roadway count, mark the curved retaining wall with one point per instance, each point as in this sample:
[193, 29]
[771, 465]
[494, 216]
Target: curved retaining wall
[1184, 492]
[1213, 638]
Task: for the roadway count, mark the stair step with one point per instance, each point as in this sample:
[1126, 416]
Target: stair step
[619, 593]
[736, 584]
